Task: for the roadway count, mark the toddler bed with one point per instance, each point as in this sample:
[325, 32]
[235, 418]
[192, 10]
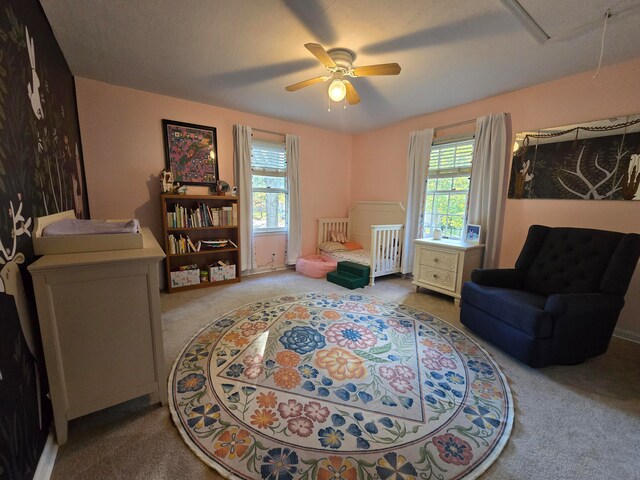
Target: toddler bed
[376, 227]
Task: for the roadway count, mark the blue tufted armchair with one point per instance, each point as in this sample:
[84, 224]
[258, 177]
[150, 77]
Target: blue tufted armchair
[561, 302]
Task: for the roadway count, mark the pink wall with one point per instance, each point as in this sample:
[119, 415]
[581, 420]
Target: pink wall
[379, 157]
[123, 150]
[272, 243]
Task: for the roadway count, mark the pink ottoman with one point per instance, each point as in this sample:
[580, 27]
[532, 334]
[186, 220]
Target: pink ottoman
[316, 266]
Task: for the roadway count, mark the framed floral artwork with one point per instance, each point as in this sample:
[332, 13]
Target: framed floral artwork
[191, 152]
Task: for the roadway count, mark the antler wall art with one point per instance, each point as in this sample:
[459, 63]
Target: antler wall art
[593, 161]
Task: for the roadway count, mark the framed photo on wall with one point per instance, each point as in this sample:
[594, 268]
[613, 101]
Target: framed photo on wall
[472, 233]
[191, 153]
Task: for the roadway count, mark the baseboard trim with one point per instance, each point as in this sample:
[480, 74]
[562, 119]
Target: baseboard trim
[627, 335]
[267, 269]
[47, 459]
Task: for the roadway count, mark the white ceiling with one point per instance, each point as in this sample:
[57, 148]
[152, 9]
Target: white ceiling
[240, 54]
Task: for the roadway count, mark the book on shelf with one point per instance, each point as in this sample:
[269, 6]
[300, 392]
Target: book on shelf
[191, 245]
[202, 216]
[181, 245]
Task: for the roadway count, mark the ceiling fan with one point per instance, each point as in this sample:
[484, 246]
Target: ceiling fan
[339, 63]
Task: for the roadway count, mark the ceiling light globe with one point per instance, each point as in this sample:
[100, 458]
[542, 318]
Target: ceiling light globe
[337, 90]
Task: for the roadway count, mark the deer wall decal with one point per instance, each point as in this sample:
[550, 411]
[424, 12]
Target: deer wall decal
[11, 284]
[33, 87]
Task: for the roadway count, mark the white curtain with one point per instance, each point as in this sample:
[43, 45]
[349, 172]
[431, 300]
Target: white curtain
[294, 231]
[488, 176]
[242, 162]
[417, 166]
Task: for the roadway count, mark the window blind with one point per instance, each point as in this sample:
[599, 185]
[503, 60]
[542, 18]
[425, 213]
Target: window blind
[451, 158]
[268, 157]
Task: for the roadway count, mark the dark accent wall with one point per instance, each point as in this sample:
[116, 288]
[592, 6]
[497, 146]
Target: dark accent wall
[41, 172]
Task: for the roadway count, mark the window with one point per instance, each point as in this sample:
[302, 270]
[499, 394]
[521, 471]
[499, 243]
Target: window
[269, 185]
[448, 188]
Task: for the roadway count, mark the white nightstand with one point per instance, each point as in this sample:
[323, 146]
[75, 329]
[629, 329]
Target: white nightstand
[444, 265]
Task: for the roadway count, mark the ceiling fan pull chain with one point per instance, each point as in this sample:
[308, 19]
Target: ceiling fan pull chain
[604, 31]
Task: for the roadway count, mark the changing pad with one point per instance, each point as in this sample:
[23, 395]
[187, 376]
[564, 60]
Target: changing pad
[70, 235]
[72, 226]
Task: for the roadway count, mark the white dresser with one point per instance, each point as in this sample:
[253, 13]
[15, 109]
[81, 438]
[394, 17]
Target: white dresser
[444, 265]
[99, 315]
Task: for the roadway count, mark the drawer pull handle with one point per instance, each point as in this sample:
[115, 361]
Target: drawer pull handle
[435, 275]
[435, 260]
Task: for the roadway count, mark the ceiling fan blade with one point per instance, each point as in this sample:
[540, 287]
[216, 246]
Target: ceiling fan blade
[321, 54]
[382, 69]
[352, 96]
[306, 83]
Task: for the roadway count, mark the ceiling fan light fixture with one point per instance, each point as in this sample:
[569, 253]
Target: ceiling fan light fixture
[337, 90]
[339, 64]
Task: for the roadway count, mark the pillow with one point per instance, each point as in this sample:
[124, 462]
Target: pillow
[332, 247]
[337, 236]
[352, 246]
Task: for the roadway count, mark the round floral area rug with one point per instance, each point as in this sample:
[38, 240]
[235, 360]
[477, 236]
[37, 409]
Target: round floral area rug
[331, 386]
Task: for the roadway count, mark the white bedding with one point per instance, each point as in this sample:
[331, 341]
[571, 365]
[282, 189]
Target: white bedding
[363, 257]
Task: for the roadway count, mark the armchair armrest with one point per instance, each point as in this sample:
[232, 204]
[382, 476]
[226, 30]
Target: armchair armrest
[499, 277]
[583, 303]
[583, 325]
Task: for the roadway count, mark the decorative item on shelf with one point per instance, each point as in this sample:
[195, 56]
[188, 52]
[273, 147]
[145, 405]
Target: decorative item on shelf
[234, 191]
[220, 188]
[166, 181]
[472, 233]
[437, 234]
[191, 152]
[215, 243]
[221, 271]
[204, 276]
[184, 277]
[180, 189]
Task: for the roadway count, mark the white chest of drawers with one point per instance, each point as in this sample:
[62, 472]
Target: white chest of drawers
[444, 265]
[99, 315]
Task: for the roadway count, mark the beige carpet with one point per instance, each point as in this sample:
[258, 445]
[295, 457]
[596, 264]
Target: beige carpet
[579, 422]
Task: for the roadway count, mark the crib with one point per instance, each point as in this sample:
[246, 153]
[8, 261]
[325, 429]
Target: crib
[378, 227]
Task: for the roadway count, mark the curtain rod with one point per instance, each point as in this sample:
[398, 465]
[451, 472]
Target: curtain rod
[451, 125]
[271, 132]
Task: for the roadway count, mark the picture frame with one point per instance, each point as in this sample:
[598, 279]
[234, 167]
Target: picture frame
[472, 233]
[191, 153]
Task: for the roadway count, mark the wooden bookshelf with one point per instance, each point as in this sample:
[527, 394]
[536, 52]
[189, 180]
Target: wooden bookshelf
[199, 218]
